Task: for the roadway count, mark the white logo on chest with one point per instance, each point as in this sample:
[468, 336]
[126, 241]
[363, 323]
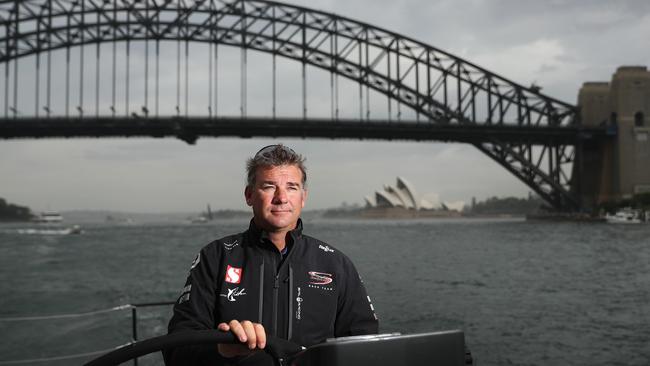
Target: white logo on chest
[326, 248]
[229, 246]
[299, 301]
[320, 280]
[233, 293]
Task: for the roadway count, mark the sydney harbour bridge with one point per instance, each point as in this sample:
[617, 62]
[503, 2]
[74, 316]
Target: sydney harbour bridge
[92, 68]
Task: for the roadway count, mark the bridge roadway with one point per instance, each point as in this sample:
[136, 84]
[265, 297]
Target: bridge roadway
[189, 129]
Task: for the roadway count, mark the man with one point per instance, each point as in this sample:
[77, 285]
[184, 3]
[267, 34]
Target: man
[271, 279]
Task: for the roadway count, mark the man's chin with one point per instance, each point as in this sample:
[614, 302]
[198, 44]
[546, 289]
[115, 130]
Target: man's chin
[281, 221]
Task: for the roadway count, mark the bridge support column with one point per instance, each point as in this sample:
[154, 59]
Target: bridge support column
[619, 168]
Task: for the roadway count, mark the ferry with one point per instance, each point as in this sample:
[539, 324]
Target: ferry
[49, 218]
[626, 216]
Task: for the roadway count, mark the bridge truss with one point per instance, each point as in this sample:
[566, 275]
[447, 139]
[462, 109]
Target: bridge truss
[534, 136]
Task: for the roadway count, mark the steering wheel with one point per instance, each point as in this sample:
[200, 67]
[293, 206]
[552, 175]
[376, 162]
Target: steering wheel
[277, 347]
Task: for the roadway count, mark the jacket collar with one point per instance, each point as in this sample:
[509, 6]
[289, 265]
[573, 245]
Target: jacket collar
[261, 237]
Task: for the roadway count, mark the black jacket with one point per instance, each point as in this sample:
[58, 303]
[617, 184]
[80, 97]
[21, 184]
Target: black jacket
[310, 294]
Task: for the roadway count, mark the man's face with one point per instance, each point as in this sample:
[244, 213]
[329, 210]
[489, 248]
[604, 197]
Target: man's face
[277, 197]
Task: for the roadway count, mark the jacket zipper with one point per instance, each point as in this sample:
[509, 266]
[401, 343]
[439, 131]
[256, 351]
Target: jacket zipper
[290, 315]
[276, 289]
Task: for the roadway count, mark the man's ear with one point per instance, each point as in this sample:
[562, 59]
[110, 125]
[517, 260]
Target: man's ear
[248, 193]
[304, 197]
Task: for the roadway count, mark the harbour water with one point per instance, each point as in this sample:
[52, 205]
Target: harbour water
[524, 293]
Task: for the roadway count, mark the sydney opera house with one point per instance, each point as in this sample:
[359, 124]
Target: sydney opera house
[401, 195]
[395, 202]
[401, 200]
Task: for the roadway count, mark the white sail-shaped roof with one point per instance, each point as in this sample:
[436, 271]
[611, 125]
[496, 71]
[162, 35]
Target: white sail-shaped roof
[402, 196]
[407, 189]
[370, 202]
[385, 199]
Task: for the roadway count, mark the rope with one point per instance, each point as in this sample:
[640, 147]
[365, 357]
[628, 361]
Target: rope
[62, 316]
[66, 357]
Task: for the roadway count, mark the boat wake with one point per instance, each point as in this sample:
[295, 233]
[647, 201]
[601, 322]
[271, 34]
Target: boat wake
[76, 229]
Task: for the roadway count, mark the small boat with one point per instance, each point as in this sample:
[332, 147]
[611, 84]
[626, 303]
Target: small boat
[49, 218]
[203, 218]
[625, 216]
[198, 220]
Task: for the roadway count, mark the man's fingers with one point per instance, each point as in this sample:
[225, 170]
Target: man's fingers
[250, 334]
[261, 335]
[232, 350]
[238, 330]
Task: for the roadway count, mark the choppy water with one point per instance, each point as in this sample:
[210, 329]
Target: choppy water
[524, 293]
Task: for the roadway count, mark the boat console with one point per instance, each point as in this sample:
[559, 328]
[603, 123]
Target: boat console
[434, 349]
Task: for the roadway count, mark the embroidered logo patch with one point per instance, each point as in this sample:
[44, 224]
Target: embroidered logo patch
[320, 278]
[234, 293]
[233, 274]
[229, 246]
[326, 248]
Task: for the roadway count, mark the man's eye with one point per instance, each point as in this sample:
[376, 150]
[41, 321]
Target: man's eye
[267, 187]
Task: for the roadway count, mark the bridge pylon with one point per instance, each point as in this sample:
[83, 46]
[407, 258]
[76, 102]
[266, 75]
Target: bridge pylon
[616, 169]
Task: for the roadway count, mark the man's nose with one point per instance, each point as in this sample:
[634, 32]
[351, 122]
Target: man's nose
[280, 196]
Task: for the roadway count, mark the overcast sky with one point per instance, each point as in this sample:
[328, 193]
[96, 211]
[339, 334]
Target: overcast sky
[555, 44]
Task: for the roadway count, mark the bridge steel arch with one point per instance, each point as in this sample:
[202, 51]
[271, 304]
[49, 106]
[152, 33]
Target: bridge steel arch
[441, 88]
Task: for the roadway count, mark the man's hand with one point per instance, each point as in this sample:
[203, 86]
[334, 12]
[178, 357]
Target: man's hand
[251, 335]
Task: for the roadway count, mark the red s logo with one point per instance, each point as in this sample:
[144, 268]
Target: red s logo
[233, 274]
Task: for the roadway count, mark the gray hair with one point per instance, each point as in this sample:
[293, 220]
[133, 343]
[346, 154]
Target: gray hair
[271, 156]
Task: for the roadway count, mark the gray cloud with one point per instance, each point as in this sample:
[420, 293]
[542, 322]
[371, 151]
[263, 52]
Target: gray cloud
[557, 44]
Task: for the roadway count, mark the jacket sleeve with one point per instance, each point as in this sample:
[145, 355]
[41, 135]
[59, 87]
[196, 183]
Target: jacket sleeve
[195, 310]
[355, 313]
